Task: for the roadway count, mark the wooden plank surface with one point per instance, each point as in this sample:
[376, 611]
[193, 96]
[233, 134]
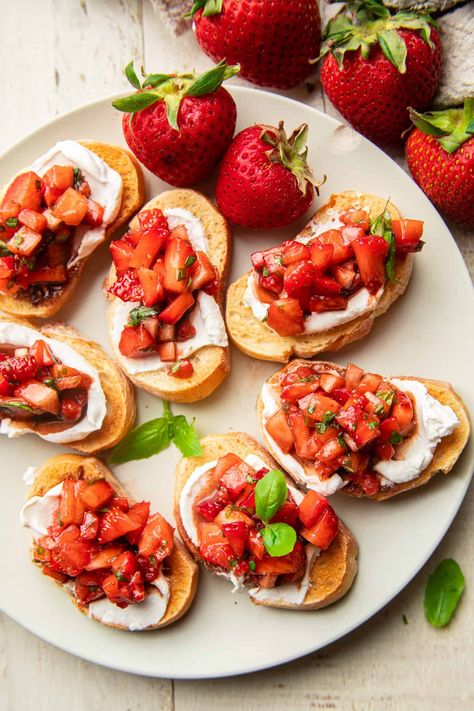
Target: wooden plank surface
[71, 52]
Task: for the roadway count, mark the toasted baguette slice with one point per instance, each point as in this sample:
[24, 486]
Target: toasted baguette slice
[211, 363]
[255, 338]
[183, 578]
[445, 456]
[119, 392]
[133, 196]
[333, 571]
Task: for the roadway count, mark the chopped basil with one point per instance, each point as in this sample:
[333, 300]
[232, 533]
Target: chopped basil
[94, 480]
[341, 440]
[176, 366]
[104, 510]
[51, 383]
[279, 261]
[307, 379]
[139, 314]
[93, 588]
[387, 396]
[190, 261]
[77, 178]
[265, 272]
[40, 550]
[12, 222]
[328, 417]
[252, 565]
[372, 425]
[233, 562]
[251, 479]
[152, 559]
[121, 577]
[405, 619]
[396, 438]
[346, 464]
[311, 409]
[17, 406]
[265, 318]
[379, 410]
[181, 274]
[382, 227]
[62, 236]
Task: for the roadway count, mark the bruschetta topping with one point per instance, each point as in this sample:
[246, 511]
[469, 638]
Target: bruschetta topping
[169, 285]
[50, 216]
[354, 428]
[292, 285]
[97, 542]
[255, 528]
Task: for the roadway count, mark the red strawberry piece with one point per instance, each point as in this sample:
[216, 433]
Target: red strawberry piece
[179, 126]
[379, 66]
[408, 235]
[324, 531]
[127, 287]
[440, 156]
[298, 282]
[371, 252]
[251, 33]
[236, 533]
[285, 316]
[264, 179]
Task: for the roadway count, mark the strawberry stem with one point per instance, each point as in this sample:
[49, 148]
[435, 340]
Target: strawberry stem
[451, 128]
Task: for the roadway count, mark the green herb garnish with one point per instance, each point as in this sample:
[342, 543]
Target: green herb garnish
[12, 222]
[443, 592]
[328, 417]
[139, 314]
[396, 438]
[271, 493]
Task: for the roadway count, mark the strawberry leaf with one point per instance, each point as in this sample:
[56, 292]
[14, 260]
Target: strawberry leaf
[212, 79]
[212, 7]
[172, 102]
[155, 80]
[131, 75]
[136, 102]
[451, 128]
[394, 48]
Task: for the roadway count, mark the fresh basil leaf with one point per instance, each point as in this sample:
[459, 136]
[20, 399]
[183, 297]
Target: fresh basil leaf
[185, 437]
[136, 102]
[139, 313]
[144, 441]
[443, 591]
[390, 263]
[132, 76]
[279, 539]
[270, 494]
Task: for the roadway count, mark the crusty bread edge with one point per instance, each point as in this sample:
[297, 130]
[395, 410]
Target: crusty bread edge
[133, 197]
[211, 363]
[332, 573]
[258, 340]
[183, 578]
[446, 454]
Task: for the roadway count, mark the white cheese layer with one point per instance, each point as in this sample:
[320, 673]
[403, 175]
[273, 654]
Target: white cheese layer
[293, 593]
[37, 514]
[328, 486]
[14, 334]
[105, 184]
[434, 420]
[176, 216]
[206, 318]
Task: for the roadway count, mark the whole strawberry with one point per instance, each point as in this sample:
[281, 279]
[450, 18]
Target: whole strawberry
[272, 41]
[440, 156]
[264, 179]
[179, 125]
[377, 64]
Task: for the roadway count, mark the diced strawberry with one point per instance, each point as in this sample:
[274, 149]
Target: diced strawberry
[324, 531]
[9, 210]
[24, 242]
[71, 507]
[349, 233]
[139, 512]
[285, 316]
[258, 257]
[356, 218]
[148, 248]
[408, 234]
[134, 341]
[345, 275]
[177, 308]
[271, 282]
[121, 255]
[299, 280]
[181, 369]
[19, 369]
[89, 526]
[236, 533]
[341, 252]
[48, 275]
[71, 207]
[330, 381]
[124, 566]
[149, 567]
[5, 387]
[368, 482]
[367, 429]
[296, 391]
[7, 267]
[235, 479]
[184, 330]
[389, 430]
[319, 304]
[369, 383]
[36, 221]
[225, 462]
[72, 554]
[325, 286]
[42, 354]
[116, 523]
[55, 574]
[384, 451]
[72, 404]
[51, 196]
[321, 255]
[39, 396]
[179, 231]
[60, 177]
[96, 494]
[152, 219]
[294, 251]
[311, 508]
[279, 430]
[151, 285]
[157, 538]
[246, 500]
[127, 287]
[68, 382]
[211, 506]
[287, 513]
[213, 546]
[272, 263]
[230, 514]
[202, 271]
[179, 257]
[57, 254]
[371, 252]
[304, 445]
[402, 411]
[88, 586]
[320, 405]
[104, 557]
[262, 294]
[121, 502]
[25, 190]
[353, 376]
[375, 405]
[332, 449]
[152, 325]
[289, 563]
[53, 223]
[167, 351]
[255, 544]
[94, 216]
[167, 332]
[303, 373]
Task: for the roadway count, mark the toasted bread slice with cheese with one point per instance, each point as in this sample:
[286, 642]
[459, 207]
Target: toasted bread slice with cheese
[445, 455]
[133, 196]
[256, 339]
[183, 576]
[332, 572]
[119, 392]
[211, 363]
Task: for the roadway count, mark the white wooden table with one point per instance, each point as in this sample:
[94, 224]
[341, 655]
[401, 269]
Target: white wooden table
[56, 55]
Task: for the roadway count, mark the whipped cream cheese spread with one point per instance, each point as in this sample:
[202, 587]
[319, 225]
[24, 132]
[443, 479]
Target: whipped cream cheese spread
[434, 421]
[289, 593]
[206, 316]
[105, 184]
[36, 515]
[14, 334]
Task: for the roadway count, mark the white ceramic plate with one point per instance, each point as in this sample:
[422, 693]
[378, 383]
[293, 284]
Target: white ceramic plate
[425, 333]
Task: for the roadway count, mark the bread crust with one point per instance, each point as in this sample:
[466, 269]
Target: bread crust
[183, 578]
[256, 339]
[119, 392]
[332, 573]
[211, 363]
[446, 454]
[133, 196]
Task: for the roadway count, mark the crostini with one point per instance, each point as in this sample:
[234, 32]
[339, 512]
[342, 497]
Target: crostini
[54, 214]
[165, 292]
[324, 288]
[62, 387]
[334, 428]
[217, 497]
[121, 565]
